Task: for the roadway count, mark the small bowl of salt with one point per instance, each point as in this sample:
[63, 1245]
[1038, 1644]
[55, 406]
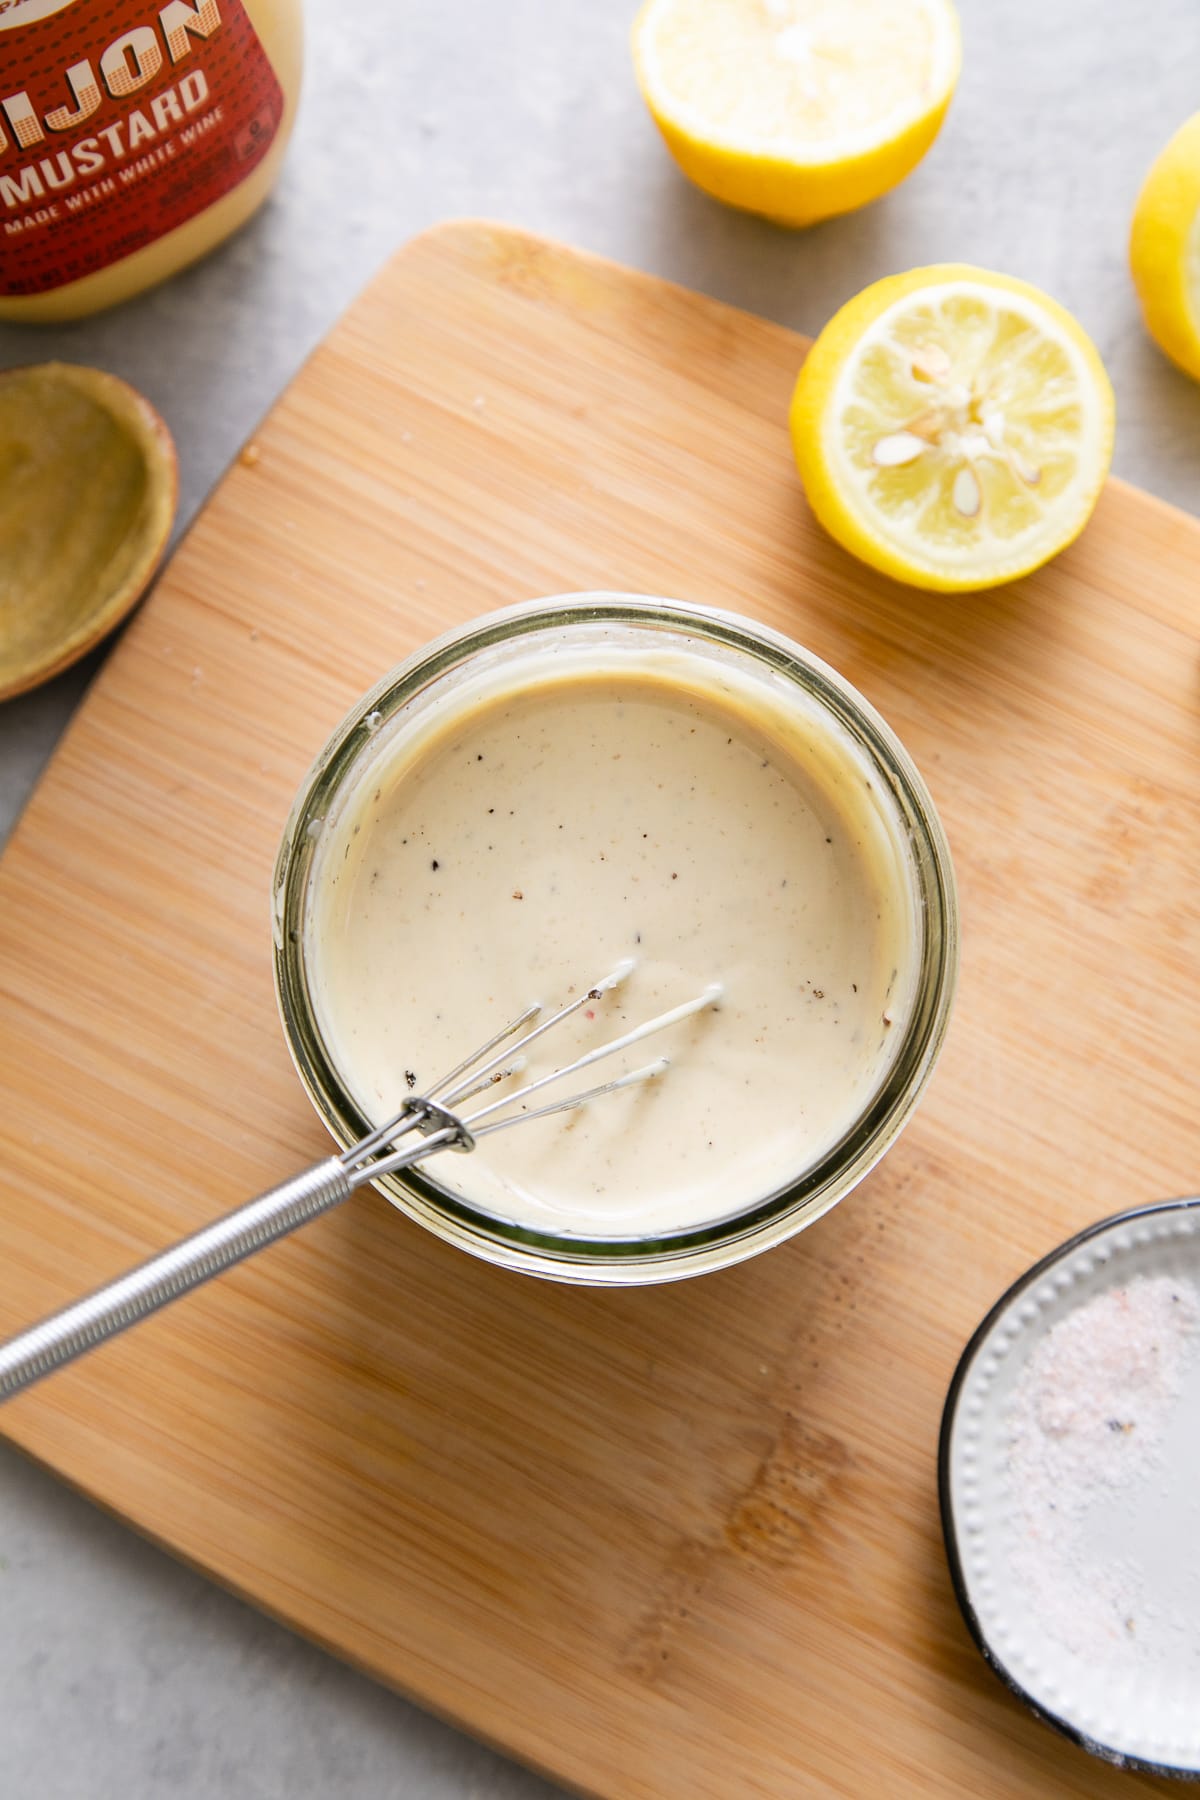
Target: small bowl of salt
[1069, 1478]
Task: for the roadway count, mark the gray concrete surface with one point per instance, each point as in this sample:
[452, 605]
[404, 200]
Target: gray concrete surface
[121, 1673]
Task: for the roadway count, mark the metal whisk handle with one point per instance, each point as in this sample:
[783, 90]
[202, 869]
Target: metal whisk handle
[423, 1124]
[88, 1322]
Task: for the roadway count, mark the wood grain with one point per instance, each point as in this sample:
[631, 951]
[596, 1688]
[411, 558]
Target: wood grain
[670, 1542]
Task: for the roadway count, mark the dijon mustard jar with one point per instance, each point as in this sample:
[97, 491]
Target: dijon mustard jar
[134, 138]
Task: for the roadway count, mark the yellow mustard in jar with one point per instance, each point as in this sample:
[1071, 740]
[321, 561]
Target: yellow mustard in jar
[134, 138]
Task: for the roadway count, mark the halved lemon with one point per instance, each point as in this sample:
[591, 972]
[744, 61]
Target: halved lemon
[1164, 248]
[797, 109]
[953, 427]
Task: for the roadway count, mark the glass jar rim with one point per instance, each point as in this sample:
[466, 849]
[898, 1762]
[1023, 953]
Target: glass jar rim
[714, 1243]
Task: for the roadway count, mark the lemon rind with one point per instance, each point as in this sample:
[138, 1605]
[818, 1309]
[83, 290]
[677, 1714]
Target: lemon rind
[1164, 248]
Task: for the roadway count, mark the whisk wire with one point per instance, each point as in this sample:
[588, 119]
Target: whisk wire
[409, 1116]
[441, 1128]
[596, 992]
[575, 1100]
[709, 997]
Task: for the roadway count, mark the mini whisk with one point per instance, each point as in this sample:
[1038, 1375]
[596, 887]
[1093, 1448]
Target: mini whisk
[426, 1123]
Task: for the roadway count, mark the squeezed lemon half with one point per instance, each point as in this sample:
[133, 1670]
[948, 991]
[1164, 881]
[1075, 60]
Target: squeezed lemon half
[953, 427]
[797, 109]
[1164, 248]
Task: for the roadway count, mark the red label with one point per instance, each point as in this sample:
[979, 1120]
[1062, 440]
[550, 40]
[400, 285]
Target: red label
[119, 121]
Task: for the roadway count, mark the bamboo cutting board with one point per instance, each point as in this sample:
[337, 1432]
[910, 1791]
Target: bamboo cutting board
[676, 1542]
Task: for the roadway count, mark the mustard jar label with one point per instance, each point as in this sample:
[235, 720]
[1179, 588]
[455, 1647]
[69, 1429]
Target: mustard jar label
[118, 122]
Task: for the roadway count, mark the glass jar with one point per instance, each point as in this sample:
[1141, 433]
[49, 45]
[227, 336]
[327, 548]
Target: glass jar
[134, 138]
[403, 701]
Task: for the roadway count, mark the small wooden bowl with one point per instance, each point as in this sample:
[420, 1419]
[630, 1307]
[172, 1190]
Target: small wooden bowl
[88, 485]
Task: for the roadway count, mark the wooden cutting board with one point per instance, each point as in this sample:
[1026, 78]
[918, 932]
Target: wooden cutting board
[676, 1542]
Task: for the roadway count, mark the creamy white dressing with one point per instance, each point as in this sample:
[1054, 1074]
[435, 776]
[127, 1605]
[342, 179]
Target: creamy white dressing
[552, 817]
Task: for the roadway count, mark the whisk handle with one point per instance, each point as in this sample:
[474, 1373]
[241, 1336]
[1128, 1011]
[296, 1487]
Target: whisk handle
[85, 1323]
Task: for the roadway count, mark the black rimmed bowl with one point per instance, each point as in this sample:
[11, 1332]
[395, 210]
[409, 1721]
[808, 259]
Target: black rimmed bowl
[1069, 1481]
